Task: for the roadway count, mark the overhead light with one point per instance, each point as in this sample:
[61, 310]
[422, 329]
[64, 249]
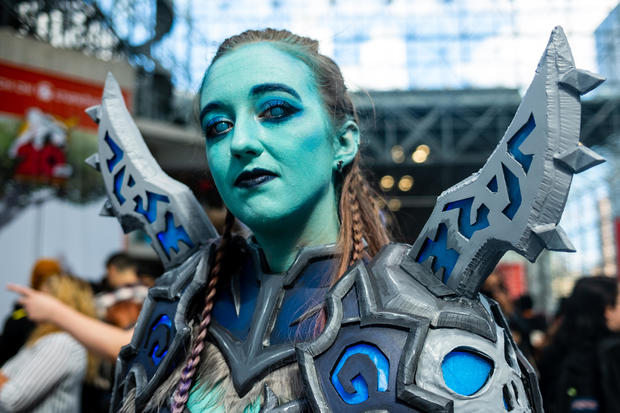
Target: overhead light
[419, 156]
[387, 182]
[424, 148]
[405, 183]
[394, 204]
[398, 154]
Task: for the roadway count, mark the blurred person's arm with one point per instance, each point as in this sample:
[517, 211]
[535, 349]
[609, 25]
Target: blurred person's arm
[97, 336]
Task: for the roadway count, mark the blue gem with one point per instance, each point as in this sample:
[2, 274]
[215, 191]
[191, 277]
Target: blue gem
[465, 371]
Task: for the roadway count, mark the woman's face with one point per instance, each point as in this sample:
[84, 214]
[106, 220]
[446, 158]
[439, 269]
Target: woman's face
[268, 138]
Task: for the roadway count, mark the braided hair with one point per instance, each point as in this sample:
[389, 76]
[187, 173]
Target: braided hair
[181, 393]
[361, 231]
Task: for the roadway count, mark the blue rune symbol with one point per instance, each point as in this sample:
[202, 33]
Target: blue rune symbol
[464, 205]
[159, 335]
[116, 151]
[171, 237]
[438, 248]
[515, 142]
[492, 185]
[361, 371]
[514, 193]
[150, 213]
[118, 185]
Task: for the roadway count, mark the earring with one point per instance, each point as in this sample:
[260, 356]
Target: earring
[339, 166]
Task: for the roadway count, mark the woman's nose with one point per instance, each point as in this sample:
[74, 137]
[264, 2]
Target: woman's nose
[246, 140]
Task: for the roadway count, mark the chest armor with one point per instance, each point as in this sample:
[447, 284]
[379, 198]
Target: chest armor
[256, 320]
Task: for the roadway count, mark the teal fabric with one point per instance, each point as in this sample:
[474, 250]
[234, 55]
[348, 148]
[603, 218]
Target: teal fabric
[199, 402]
[209, 402]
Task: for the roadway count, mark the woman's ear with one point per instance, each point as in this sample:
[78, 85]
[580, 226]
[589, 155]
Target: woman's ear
[346, 145]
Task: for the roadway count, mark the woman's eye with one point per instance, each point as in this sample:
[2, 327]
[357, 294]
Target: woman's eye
[277, 109]
[217, 127]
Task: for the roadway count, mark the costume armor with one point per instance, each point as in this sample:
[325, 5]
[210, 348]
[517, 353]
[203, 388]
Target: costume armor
[407, 331]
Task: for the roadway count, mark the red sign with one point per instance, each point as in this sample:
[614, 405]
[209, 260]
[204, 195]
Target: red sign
[22, 88]
[514, 278]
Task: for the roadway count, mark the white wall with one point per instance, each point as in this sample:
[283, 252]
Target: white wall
[76, 234]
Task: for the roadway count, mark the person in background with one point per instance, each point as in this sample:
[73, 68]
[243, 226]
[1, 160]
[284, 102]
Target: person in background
[570, 374]
[609, 356]
[47, 373]
[495, 288]
[17, 327]
[121, 270]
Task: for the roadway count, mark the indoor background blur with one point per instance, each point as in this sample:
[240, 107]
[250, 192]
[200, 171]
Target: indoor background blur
[436, 83]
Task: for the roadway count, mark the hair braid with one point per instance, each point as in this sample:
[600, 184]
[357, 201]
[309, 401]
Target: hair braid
[356, 218]
[181, 394]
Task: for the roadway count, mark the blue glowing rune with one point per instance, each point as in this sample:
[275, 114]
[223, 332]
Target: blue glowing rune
[150, 213]
[163, 321]
[359, 383]
[116, 150]
[515, 142]
[172, 235]
[492, 185]
[118, 185]
[465, 372]
[438, 248]
[514, 193]
[464, 205]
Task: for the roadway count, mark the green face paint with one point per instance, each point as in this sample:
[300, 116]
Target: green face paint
[270, 148]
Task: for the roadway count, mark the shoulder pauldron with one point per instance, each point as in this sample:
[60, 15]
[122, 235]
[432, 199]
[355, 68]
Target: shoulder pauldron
[398, 340]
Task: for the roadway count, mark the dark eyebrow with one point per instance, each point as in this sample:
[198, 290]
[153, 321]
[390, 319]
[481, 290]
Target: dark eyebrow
[211, 106]
[273, 87]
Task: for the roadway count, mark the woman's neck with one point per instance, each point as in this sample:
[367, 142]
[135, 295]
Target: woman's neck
[281, 242]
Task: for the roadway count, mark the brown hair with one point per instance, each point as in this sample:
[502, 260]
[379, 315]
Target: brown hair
[42, 270]
[359, 213]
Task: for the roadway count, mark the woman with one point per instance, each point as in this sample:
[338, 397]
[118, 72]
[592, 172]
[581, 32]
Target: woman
[283, 152]
[315, 311]
[46, 374]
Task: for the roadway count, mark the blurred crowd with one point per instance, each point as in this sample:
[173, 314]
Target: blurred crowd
[59, 343]
[576, 351]
[48, 363]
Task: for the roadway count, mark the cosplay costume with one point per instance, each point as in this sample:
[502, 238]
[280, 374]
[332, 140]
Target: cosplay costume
[405, 332]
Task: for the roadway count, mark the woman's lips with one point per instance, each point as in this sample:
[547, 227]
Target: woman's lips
[255, 177]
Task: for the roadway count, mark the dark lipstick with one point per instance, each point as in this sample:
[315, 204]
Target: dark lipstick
[254, 177]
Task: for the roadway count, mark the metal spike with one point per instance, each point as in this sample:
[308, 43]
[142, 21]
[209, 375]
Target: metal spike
[581, 80]
[94, 112]
[554, 237]
[271, 400]
[93, 161]
[106, 209]
[579, 159]
[236, 294]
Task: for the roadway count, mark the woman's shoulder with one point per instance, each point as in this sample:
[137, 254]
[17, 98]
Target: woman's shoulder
[61, 341]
